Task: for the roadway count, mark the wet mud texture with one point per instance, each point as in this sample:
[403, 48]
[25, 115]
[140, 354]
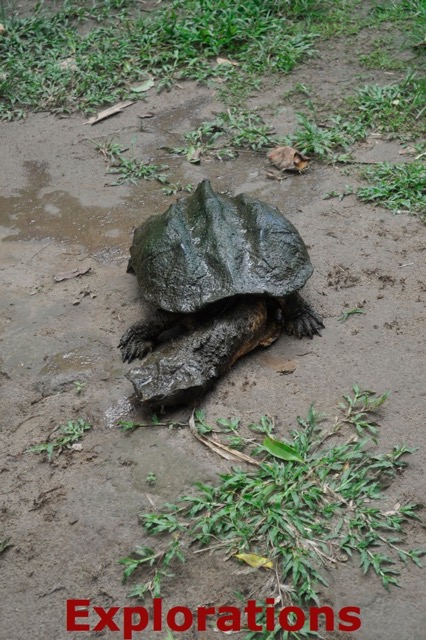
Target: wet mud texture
[70, 521]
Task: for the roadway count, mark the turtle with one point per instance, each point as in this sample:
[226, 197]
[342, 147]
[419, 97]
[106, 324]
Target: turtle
[222, 276]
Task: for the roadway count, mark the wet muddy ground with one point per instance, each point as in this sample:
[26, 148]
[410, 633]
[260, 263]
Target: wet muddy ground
[70, 521]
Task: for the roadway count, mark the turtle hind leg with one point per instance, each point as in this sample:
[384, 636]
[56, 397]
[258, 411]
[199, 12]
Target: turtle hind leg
[140, 338]
[299, 318]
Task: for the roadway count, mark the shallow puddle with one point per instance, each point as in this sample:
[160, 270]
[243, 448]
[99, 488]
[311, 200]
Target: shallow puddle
[39, 211]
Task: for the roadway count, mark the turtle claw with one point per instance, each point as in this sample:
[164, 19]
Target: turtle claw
[303, 327]
[303, 320]
[132, 346]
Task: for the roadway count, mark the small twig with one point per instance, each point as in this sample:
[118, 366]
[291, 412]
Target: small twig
[420, 112]
[54, 590]
[218, 447]
[39, 251]
[36, 415]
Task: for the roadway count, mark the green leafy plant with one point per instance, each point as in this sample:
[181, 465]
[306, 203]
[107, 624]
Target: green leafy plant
[398, 187]
[229, 131]
[64, 68]
[281, 450]
[265, 425]
[69, 434]
[352, 312]
[127, 52]
[324, 141]
[5, 544]
[393, 108]
[380, 59]
[330, 482]
[176, 187]
[130, 171]
[348, 190]
[79, 386]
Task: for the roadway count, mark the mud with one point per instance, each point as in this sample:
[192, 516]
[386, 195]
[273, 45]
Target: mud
[70, 521]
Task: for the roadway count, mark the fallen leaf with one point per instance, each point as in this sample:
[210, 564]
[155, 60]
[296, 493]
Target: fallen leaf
[255, 561]
[145, 86]
[107, 113]
[67, 275]
[68, 63]
[275, 175]
[281, 450]
[149, 114]
[288, 159]
[193, 155]
[77, 446]
[227, 61]
[44, 497]
[278, 364]
[407, 151]
[393, 511]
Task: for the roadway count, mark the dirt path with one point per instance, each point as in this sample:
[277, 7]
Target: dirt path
[70, 521]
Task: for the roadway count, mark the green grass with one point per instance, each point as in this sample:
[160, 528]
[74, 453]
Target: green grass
[346, 314]
[398, 187]
[229, 131]
[90, 54]
[130, 170]
[70, 434]
[378, 59]
[5, 544]
[408, 15]
[79, 386]
[394, 109]
[399, 10]
[50, 62]
[326, 142]
[324, 507]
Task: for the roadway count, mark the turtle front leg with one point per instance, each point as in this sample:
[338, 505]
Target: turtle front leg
[140, 338]
[180, 370]
[299, 318]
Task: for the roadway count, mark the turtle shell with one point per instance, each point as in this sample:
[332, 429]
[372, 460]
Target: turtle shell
[208, 247]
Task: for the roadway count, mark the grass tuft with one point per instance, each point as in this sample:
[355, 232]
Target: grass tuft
[394, 109]
[318, 508]
[70, 434]
[398, 187]
[229, 131]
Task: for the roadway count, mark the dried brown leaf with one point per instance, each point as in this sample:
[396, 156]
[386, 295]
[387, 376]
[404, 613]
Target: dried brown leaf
[194, 155]
[67, 275]
[227, 61]
[288, 159]
[219, 448]
[68, 63]
[107, 113]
